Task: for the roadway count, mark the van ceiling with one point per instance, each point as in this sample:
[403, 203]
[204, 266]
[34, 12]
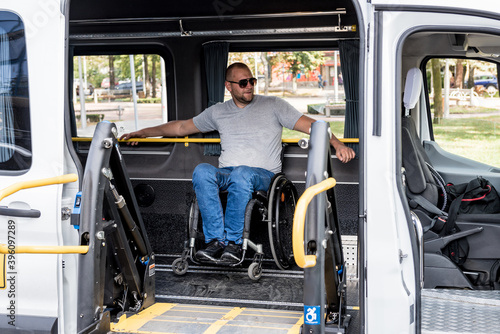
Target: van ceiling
[286, 18]
[454, 44]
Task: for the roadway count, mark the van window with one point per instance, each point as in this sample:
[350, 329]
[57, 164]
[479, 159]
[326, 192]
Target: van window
[15, 133]
[108, 94]
[466, 116]
[311, 81]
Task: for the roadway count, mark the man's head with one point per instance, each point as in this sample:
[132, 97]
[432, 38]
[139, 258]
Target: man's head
[240, 83]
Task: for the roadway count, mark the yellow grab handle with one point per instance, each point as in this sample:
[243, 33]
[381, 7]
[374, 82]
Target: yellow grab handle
[4, 249]
[302, 260]
[37, 183]
[197, 140]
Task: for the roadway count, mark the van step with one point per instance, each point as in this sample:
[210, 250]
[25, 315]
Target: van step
[460, 311]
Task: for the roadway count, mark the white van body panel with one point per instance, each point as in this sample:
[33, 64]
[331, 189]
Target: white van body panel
[39, 277]
[46, 285]
[386, 226]
[462, 5]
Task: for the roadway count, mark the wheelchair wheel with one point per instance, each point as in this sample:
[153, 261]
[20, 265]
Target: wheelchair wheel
[195, 229]
[254, 271]
[180, 266]
[282, 201]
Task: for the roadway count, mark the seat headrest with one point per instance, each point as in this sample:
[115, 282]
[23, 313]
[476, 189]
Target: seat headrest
[413, 87]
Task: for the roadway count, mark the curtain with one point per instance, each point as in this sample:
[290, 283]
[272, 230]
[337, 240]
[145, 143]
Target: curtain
[349, 64]
[7, 141]
[216, 57]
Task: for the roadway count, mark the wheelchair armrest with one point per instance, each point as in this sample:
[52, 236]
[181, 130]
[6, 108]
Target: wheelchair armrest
[435, 245]
[260, 195]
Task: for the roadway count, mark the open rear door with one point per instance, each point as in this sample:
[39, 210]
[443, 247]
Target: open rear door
[37, 284]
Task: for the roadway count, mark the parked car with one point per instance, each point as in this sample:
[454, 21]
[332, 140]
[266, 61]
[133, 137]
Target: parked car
[486, 80]
[105, 83]
[126, 87]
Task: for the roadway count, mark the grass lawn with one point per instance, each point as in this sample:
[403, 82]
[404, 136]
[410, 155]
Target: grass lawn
[476, 138]
[455, 110]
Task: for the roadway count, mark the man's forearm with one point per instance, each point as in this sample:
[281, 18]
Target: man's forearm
[335, 142]
[169, 129]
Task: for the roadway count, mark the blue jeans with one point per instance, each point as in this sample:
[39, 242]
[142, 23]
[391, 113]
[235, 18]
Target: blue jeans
[240, 182]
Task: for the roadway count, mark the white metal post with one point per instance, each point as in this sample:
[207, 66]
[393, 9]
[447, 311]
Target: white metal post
[134, 92]
[164, 114]
[446, 90]
[81, 89]
[335, 77]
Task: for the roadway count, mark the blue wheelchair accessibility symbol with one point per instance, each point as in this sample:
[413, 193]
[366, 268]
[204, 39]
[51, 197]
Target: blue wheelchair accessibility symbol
[311, 315]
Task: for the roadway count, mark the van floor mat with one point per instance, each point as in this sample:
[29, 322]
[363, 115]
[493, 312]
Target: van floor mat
[230, 286]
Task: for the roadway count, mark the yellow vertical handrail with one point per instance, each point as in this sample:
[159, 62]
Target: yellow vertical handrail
[37, 183]
[303, 260]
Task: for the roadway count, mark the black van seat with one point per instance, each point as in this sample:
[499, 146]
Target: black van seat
[481, 269]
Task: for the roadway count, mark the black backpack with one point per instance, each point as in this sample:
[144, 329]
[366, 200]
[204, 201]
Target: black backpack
[476, 197]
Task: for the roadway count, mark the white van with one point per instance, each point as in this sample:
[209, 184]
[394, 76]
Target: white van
[92, 229]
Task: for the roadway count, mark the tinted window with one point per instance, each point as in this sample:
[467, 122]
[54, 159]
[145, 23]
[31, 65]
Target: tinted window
[15, 136]
[107, 83]
[465, 107]
[311, 81]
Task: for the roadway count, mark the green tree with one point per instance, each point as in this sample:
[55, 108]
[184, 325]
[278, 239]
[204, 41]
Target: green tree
[147, 87]
[155, 64]
[471, 64]
[437, 83]
[299, 61]
[459, 77]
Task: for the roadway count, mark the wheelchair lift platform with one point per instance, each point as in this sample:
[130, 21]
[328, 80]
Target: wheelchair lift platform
[443, 310]
[212, 299]
[189, 318]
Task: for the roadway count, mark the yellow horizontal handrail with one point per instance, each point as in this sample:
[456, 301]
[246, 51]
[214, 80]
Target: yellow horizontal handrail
[302, 260]
[197, 140]
[4, 249]
[37, 183]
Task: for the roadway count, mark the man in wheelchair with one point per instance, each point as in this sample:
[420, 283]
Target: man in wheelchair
[250, 129]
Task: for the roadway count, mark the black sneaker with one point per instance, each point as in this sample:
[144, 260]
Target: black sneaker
[232, 253]
[211, 253]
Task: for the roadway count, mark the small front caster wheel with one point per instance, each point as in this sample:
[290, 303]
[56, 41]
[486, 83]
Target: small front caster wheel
[180, 266]
[254, 271]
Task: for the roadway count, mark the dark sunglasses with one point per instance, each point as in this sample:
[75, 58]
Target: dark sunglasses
[244, 82]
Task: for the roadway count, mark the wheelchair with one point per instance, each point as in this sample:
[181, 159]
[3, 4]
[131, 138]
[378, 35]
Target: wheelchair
[274, 207]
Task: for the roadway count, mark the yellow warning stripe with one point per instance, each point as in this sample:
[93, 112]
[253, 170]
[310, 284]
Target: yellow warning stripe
[214, 328]
[274, 311]
[138, 320]
[262, 327]
[296, 328]
[194, 310]
[269, 316]
[191, 306]
[182, 321]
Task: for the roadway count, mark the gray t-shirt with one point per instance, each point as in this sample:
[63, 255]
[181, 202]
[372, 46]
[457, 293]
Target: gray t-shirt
[250, 136]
